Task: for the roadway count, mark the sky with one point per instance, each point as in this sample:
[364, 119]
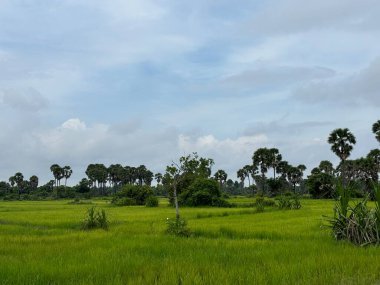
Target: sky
[145, 82]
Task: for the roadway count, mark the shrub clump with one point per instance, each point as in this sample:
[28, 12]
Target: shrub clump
[286, 202]
[358, 224]
[177, 227]
[95, 219]
[203, 192]
[132, 195]
[151, 201]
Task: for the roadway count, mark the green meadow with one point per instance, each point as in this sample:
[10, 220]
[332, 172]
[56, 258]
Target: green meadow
[42, 243]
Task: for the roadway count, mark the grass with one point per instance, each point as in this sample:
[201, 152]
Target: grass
[42, 243]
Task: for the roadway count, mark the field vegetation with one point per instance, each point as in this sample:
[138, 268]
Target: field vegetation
[42, 243]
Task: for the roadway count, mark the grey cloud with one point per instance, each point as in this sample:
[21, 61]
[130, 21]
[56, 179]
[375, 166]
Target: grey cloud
[279, 127]
[361, 87]
[295, 16]
[277, 76]
[24, 99]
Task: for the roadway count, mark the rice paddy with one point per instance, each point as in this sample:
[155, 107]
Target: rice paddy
[42, 243]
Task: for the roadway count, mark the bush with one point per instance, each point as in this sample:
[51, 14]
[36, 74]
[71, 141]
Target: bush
[260, 204]
[177, 227]
[151, 201]
[289, 202]
[95, 219]
[203, 192]
[358, 224]
[132, 195]
[123, 201]
[78, 201]
[218, 202]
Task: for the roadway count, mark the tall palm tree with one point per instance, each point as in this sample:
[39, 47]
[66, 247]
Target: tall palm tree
[57, 173]
[67, 171]
[376, 130]
[342, 142]
[221, 177]
[241, 174]
[275, 158]
[262, 160]
[33, 182]
[158, 177]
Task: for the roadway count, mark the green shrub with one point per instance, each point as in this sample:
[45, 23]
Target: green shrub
[288, 202]
[132, 195]
[151, 201]
[358, 224]
[123, 201]
[95, 219]
[202, 192]
[78, 201]
[260, 204]
[177, 227]
[219, 202]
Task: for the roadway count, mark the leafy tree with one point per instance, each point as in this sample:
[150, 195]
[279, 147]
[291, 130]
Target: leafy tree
[376, 130]
[179, 176]
[321, 181]
[115, 174]
[202, 192]
[295, 175]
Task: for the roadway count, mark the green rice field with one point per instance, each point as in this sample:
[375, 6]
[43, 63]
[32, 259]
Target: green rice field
[42, 243]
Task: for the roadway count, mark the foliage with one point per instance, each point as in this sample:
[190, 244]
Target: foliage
[132, 195]
[321, 185]
[260, 204]
[95, 219]
[151, 201]
[202, 192]
[177, 227]
[286, 202]
[358, 224]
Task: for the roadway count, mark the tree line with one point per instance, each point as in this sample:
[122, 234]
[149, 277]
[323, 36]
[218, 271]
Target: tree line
[268, 174]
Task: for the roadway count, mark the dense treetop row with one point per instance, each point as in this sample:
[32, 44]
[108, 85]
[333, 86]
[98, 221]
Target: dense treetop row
[102, 180]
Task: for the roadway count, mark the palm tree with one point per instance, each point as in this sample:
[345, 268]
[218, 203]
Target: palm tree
[221, 176]
[67, 171]
[33, 182]
[241, 175]
[376, 130]
[326, 166]
[262, 160]
[18, 180]
[274, 159]
[247, 171]
[158, 177]
[342, 142]
[57, 173]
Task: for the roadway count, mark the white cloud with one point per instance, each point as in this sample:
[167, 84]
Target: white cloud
[74, 124]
